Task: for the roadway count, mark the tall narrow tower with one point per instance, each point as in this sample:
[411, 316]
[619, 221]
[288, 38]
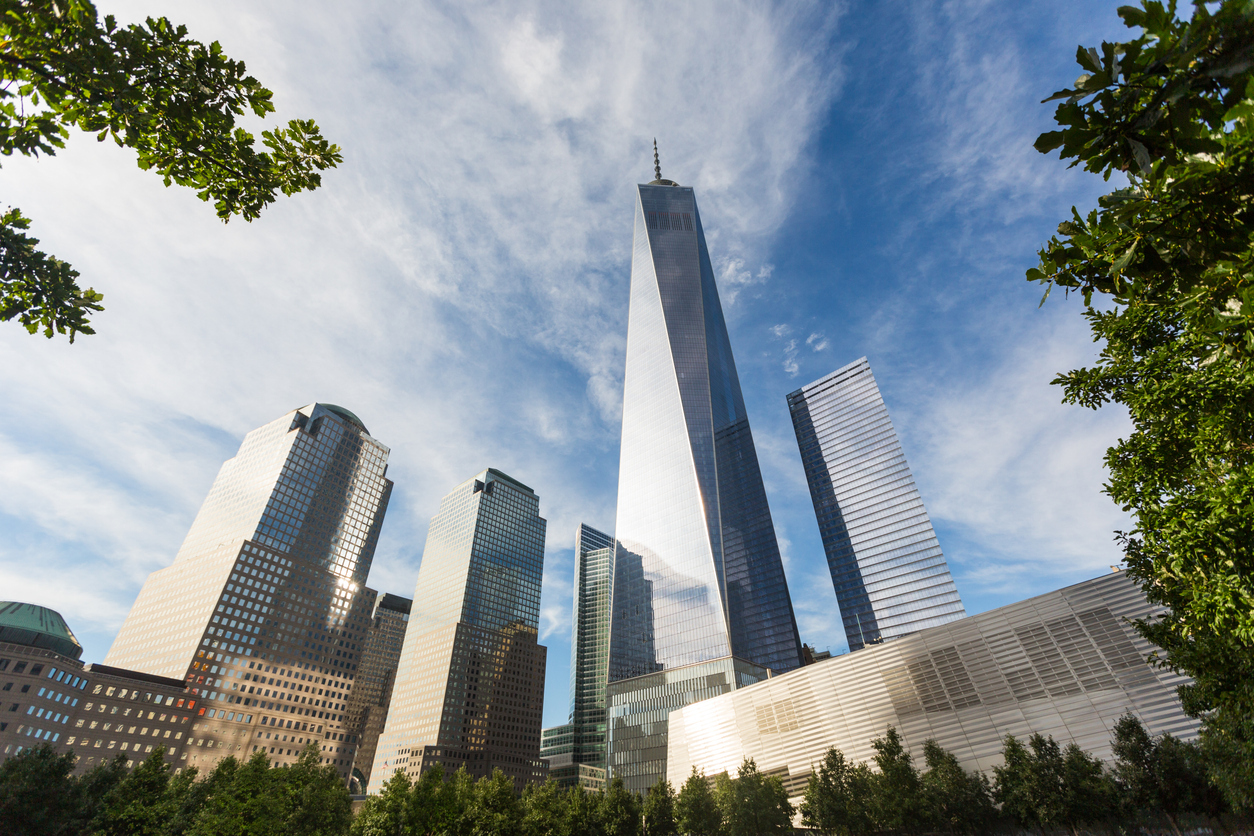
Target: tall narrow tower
[701, 605]
[470, 685]
[890, 576]
[265, 606]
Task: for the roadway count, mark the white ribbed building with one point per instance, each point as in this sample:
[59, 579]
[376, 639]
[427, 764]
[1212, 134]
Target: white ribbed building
[1067, 664]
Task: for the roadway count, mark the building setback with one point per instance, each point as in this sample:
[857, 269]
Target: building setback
[372, 687]
[264, 612]
[700, 601]
[576, 752]
[470, 685]
[890, 576]
[49, 697]
[1067, 664]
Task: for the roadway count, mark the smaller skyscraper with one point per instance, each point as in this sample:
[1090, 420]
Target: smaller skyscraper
[264, 609]
[376, 674]
[470, 685]
[890, 575]
[576, 752]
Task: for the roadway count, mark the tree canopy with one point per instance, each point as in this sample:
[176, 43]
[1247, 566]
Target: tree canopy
[148, 87]
[1169, 257]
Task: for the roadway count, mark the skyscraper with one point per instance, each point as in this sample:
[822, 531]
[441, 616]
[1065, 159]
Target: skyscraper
[470, 686]
[265, 607]
[700, 602]
[376, 674]
[890, 576]
[576, 751]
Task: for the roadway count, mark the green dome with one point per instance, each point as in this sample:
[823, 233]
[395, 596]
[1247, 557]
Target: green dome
[344, 413]
[36, 626]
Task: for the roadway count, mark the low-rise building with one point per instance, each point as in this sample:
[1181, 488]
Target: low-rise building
[97, 712]
[1068, 664]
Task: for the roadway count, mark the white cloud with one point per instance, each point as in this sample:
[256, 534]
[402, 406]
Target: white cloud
[1014, 474]
[460, 282]
[817, 342]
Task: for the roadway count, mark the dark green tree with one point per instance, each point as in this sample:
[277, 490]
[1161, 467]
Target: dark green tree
[38, 793]
[316, 802]
[1028, 784]
[956, 801]
[544, 810]
[696, 811]
[1171, 254]
[838, 797]
[385, 814]
[752, 804]
[1163, 774]
[658, 814]
[95, 785]
[495, 809]
[436, 804]
[1089, 794]
[187, 796]
[620, 810]
[1042, 785]
[583, 813]
[147, 87]
[141, 804]
[897, 792]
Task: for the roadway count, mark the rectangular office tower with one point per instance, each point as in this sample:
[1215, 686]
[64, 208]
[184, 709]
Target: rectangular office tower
[264, 611]
[576, 751]
[470, 686]
[372, 687]
[700, 602]
[890, 576]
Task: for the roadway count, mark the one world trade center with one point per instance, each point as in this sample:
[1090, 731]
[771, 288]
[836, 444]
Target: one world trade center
[700, 602]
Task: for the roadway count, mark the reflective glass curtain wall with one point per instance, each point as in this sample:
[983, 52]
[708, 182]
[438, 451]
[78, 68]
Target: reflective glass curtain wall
[698, 576]
[590, 644]
[470, 684]
[264, 608]
[890, 576]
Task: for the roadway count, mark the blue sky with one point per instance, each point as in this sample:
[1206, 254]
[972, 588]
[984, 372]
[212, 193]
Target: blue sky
[867, 181]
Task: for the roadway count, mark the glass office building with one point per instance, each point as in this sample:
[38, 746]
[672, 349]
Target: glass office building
[576, 751]
[890, 576]
[700, 599]
[372, 688]
[470, 684]
[264, 611]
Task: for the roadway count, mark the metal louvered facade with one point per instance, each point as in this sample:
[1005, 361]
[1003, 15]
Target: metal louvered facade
[1066, 664]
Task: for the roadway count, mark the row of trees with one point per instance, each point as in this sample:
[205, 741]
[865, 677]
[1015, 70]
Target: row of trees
[747, 805]
[1040, 786]
[40, 796]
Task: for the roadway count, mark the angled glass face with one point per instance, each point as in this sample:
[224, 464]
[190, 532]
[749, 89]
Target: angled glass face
[666, 493]
[692, 512]
[890, 576]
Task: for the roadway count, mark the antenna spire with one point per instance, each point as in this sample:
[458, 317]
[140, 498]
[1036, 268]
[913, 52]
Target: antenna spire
[657, 165]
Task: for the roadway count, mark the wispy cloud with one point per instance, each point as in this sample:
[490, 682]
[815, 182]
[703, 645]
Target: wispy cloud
[461, 282]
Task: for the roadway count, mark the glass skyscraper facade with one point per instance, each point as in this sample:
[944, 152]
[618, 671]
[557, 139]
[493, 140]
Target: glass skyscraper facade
[576, 751]
[890, 576]
[470, 684]
[700, 599]
[264, 611]
[372, 688]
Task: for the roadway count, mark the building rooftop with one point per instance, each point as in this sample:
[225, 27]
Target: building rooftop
[344, 413]
[37, 626]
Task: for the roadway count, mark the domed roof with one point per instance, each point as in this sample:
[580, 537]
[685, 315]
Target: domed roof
[344, 413]
[37, 626]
